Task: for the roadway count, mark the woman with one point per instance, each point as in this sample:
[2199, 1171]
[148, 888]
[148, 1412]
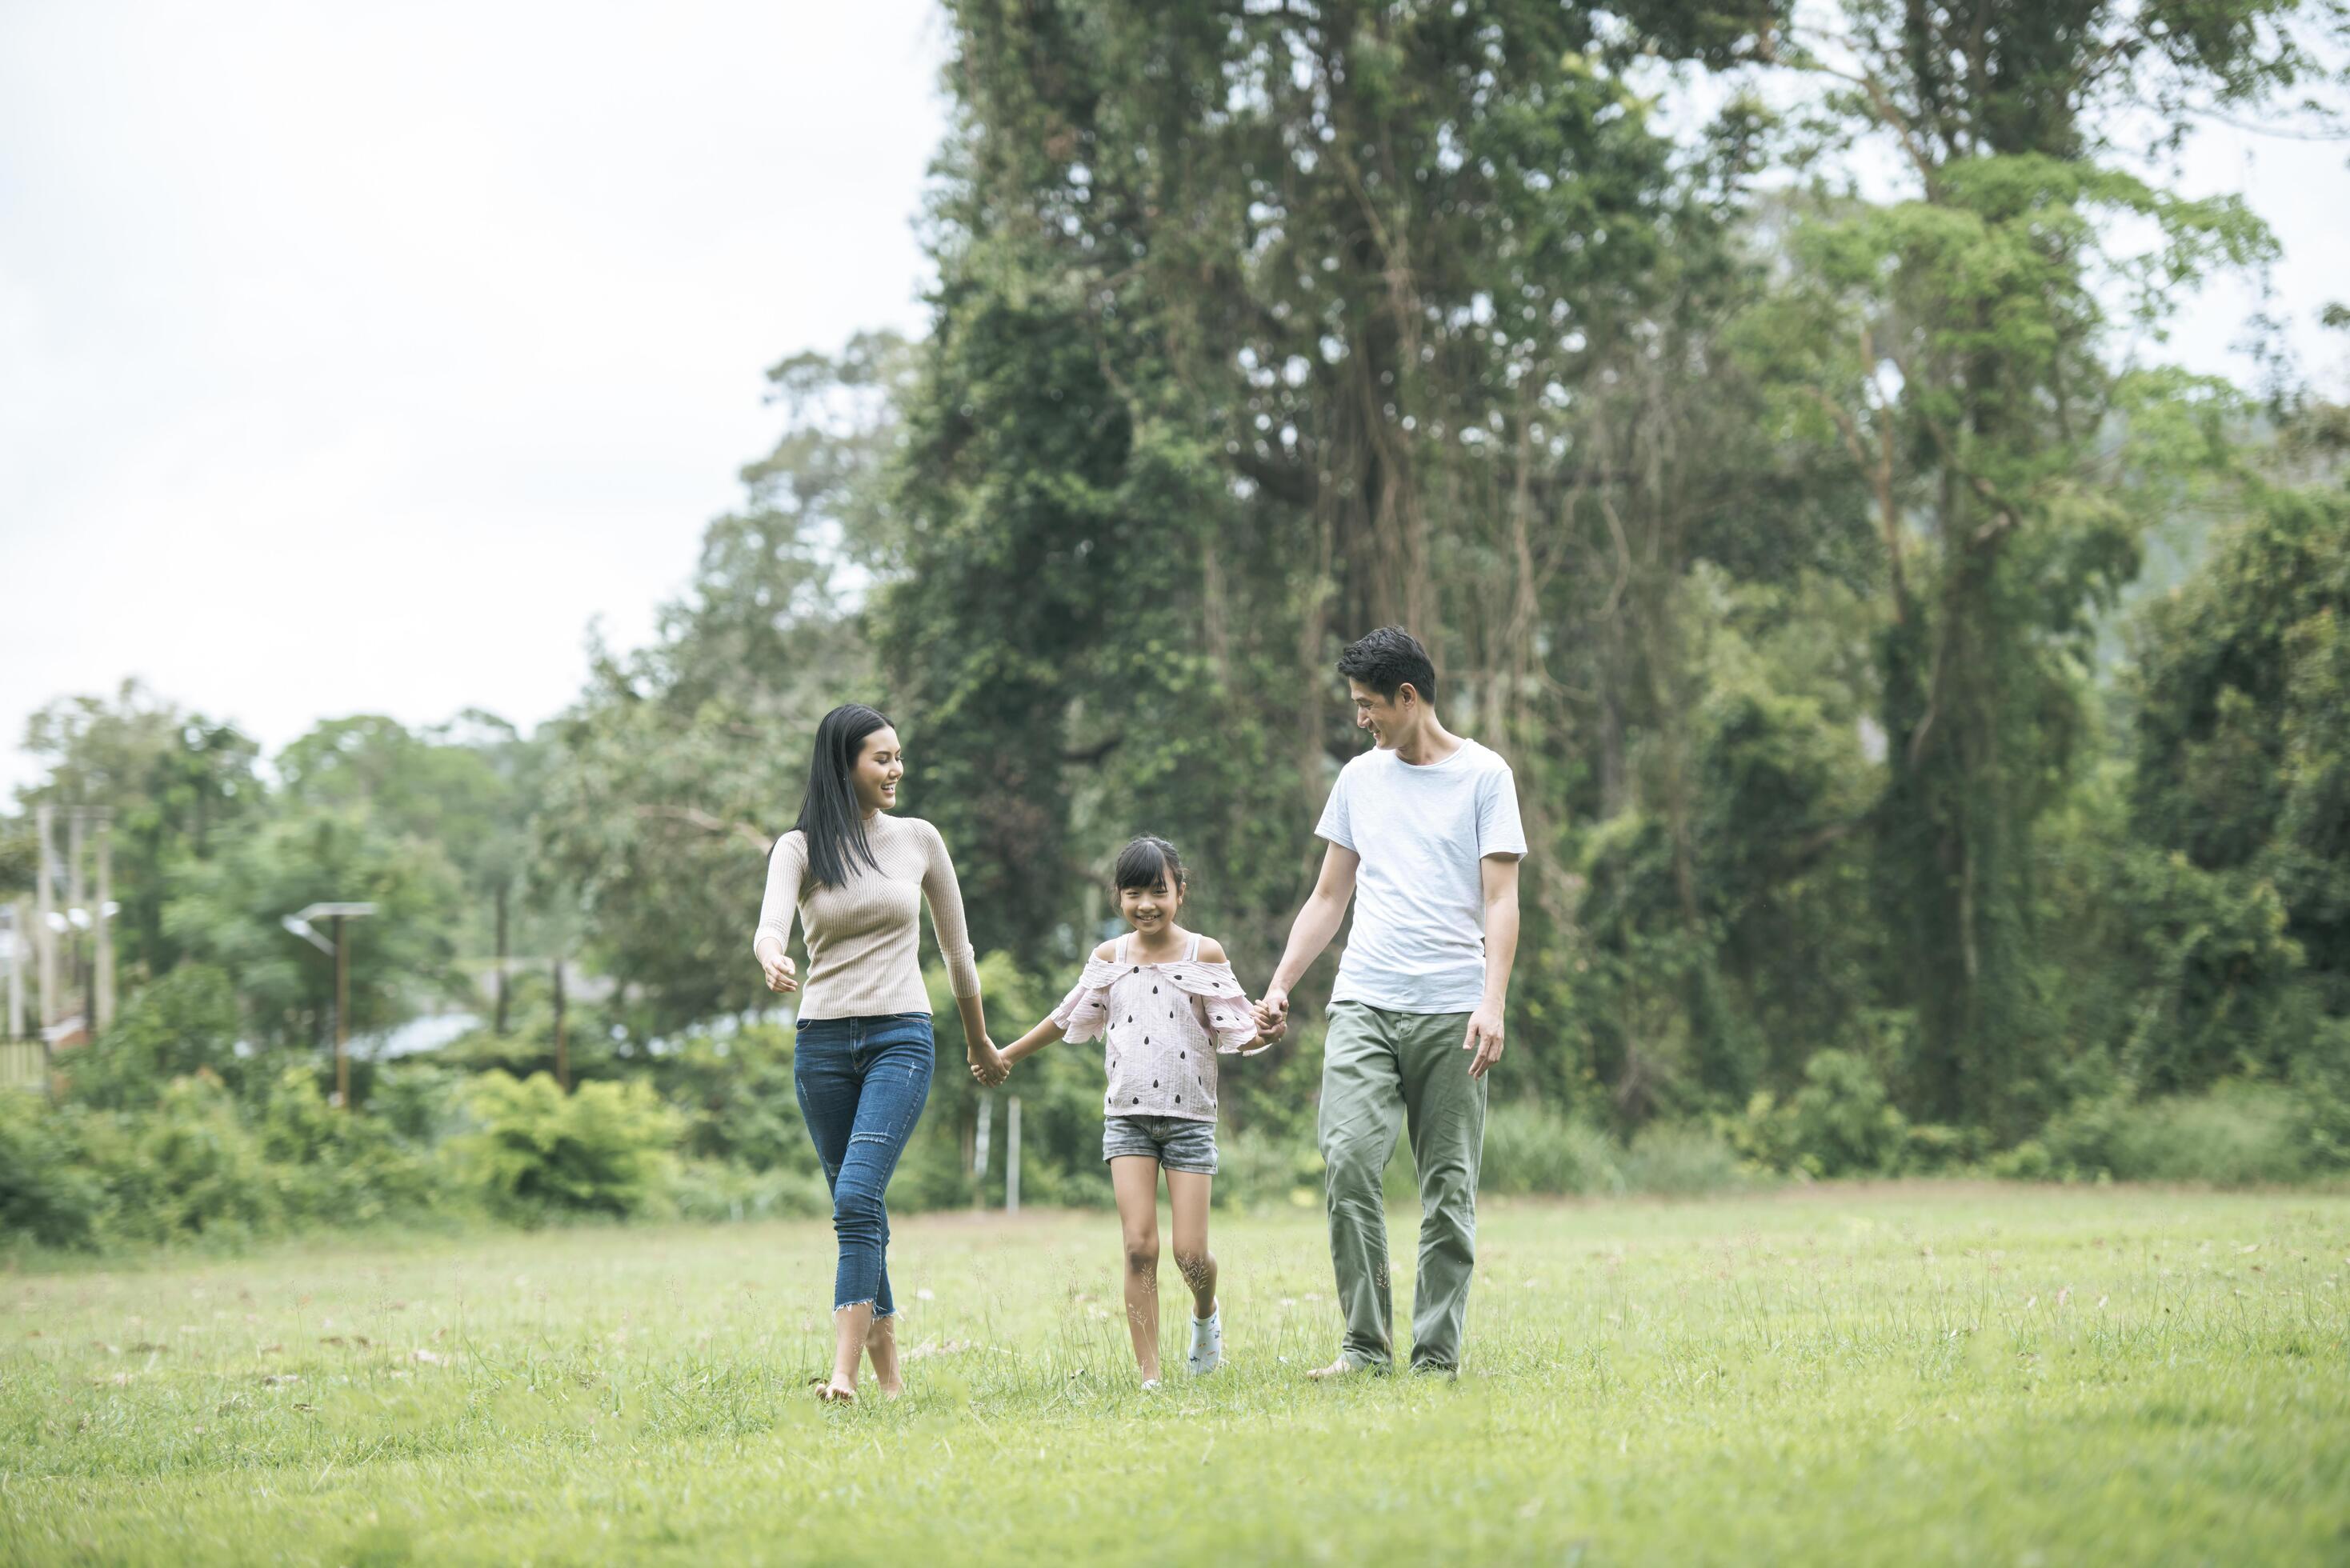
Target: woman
[856, 877]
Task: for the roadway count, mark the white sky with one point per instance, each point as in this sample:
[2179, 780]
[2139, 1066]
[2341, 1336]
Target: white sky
[355, 359]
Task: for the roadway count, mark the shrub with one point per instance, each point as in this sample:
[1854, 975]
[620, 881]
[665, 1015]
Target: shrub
[1839, 1123]
[2240, 1134]
[601, 1149]
[710, 1189]
[1844, 1125]
[734, 1094]
[182, 1024]
[340, 1169]
[186, 1167]
[1256, 1169]
[47, 1195]
[1681, 1159]
[1531, 1149]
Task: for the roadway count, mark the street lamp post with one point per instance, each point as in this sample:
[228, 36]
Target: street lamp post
[340, 950]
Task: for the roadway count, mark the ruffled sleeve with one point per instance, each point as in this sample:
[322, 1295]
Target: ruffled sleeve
[1084, 1014]
[1222, 1003]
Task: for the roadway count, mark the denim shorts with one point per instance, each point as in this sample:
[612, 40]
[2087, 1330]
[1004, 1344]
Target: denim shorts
[1173, 1141]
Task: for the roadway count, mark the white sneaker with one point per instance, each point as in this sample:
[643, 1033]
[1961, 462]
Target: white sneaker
[1207, 1351]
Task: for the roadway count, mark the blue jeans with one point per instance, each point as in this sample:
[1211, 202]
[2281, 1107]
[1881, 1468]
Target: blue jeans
[861, 1084]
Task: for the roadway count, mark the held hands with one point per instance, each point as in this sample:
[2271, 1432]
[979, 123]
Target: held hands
[1271, 1016]
[1484, 1038]
[776, 965]
[986, 1063]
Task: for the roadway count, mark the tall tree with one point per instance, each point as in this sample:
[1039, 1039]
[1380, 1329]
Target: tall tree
[1957, 342]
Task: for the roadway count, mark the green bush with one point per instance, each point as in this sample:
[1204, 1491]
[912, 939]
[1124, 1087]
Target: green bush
[421, 1101]
[1681, 1160]
[733, 1093]
[1840, 1123]
[182, 1024]
[184, 1168]
[1529, 1148]
[47, 1197]
[2240, 1134]
[2321, 1082]
[539, 1152]
[340, 1169]
[708, 1190]
[1256, 1169]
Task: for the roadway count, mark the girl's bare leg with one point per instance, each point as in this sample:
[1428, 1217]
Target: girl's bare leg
[1187, 1194]
[1135, 1180]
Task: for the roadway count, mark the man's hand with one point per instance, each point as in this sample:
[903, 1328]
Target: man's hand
[1484, 1038]
[1272, 1013]
[776, 965]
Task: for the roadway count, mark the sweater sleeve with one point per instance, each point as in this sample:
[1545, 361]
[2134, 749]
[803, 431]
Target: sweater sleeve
[786, 866]
[945, 894]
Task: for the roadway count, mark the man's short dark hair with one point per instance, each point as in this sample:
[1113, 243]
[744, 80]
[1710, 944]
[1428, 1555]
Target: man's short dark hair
[1386, 660]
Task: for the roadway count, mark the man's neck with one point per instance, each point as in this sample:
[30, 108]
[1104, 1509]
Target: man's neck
[1433, 743]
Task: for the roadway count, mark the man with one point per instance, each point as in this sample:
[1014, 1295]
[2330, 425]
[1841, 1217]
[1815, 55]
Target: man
[1425, 829]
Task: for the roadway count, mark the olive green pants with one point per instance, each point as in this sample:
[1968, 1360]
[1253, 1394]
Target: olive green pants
[1381, 1071]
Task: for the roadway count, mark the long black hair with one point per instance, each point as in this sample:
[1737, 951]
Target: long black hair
[829, 812]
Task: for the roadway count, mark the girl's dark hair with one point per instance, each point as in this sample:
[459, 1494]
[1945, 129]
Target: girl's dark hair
[1148, 860]
[829, 812]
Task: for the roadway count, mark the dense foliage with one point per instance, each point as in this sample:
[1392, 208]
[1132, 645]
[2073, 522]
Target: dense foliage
[1779, 517]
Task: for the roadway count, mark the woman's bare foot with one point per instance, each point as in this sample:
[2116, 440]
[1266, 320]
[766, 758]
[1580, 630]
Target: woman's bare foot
[881, 1348]
[1338, 1368]
[830, 1392]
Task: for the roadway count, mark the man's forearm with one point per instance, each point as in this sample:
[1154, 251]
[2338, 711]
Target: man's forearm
[1316, 923]
[1501, 949]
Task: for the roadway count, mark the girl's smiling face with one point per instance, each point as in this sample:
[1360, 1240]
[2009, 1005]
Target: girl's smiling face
[1151, 910]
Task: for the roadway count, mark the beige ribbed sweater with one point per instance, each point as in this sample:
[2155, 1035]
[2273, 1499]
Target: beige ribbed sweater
[863, 938]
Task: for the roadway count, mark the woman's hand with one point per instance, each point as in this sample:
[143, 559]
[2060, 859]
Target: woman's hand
[987, 1063]
[776, 965]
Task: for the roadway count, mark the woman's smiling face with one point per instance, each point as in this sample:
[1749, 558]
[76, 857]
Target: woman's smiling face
[878, 768]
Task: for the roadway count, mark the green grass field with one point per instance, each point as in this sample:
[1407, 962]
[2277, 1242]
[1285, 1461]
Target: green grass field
[1889, 1373]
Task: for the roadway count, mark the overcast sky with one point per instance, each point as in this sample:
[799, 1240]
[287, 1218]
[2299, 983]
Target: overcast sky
[355, 359]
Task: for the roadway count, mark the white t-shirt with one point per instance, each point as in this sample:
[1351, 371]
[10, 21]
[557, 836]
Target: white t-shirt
[1419, 938]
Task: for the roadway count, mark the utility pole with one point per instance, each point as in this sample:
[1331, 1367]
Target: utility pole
[562, 1040]
[342, 1017]
[978, 1148]
[499, 1027]
[103, 918]
[78, 975]
[45, 935]
[1012, 1157]
[20, 918]
[338, 949]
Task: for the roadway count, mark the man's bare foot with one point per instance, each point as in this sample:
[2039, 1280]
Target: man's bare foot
[1341, 1368]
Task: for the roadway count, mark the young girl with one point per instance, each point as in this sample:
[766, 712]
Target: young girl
[1165, 1001]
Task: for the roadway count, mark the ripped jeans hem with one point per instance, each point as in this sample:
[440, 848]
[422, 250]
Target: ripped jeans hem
[879, 1314]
